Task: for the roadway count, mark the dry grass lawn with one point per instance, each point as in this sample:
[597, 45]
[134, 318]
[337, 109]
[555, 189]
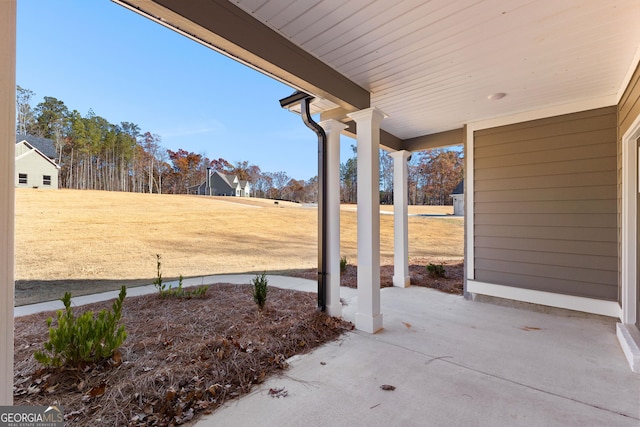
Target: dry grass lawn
[90, 240]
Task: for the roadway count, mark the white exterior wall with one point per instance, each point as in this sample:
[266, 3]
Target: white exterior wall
[458, 204]
[36, 167]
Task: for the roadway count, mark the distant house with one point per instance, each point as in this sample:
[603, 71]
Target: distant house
[35, 164]
[220, 184]
[458, 199]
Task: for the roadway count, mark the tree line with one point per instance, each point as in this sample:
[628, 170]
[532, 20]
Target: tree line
[433, 175]
[96, 154]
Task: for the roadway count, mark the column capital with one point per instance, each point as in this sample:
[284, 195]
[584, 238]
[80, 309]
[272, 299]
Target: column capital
[373, 114]
[331, 125]
[401, 154]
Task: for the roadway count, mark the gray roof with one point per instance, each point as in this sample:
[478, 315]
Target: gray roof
[459, 188]
[44, 145]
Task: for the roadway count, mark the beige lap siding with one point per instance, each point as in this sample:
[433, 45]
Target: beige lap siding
[545, 205]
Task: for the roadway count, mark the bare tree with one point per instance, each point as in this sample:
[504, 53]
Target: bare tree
[280, 181]
[24, 112]
[386, 178]
[151, 145]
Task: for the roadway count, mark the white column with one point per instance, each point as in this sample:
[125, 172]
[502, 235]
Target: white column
[401, 276]
[368, 317]
[333, 128]
[7, 193]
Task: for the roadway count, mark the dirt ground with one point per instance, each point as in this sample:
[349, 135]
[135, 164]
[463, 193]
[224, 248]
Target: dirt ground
[93, 241]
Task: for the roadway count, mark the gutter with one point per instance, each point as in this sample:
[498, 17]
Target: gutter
[305, 102]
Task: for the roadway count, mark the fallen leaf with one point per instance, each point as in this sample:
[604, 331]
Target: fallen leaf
[213, 388]
[408, 325]
[117, 358]
[278, 392]
[97, 391]
[171, 394]
[530, 328]
[387, 387]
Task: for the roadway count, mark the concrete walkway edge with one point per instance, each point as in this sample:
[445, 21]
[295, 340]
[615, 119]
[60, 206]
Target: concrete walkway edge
[278, 281]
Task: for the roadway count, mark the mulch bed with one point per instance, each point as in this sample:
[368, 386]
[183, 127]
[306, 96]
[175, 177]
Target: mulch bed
[182, 357]
[452, 283]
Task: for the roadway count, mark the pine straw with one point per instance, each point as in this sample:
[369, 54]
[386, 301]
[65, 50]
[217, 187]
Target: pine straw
[181, 357]
[452, 283]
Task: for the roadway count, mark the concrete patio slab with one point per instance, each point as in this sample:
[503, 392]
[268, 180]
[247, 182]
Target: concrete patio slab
[453, 362]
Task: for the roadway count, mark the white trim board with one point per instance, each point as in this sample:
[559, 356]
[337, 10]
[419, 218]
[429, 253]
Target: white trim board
[587, 305]
[629, 223]
[469, 183]
[629, 344]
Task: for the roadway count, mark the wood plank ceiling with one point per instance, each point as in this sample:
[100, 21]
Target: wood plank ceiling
[431, 65]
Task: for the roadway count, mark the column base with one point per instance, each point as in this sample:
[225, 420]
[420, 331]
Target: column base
[401, 281]
[369, 324]
[334, 310]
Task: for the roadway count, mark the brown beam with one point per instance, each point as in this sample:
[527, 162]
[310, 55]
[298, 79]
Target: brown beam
[390, 141]
[434, 140]
[387, 140]
[224, 27]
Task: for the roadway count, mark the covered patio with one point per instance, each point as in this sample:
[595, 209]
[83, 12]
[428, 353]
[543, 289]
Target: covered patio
[452, 362]
[545, 98]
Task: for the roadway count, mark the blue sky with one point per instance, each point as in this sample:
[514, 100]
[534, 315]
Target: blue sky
[96, 54]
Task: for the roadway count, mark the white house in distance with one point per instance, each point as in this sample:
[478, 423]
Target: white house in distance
[220, 184]
[35, 167]
[458, 199]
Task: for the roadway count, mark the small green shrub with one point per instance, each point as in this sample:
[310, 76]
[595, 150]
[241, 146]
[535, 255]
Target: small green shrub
[436, 270]
[168, 291]
[85, 339]
[180, 292]
[343, 264]
[260, 290]
[157, 282]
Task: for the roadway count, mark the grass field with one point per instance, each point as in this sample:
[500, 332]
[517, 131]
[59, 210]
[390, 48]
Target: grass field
[95, 237]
